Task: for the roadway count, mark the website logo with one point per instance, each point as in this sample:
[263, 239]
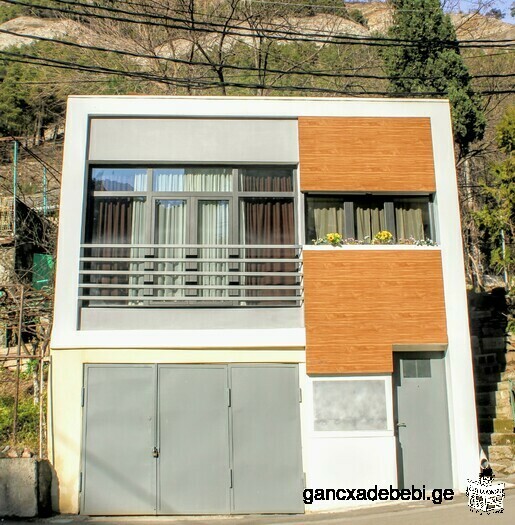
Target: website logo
[485, 495]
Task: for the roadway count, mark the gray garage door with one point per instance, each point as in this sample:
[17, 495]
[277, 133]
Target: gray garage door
[191, 439]
[266, 439]
[118, 472]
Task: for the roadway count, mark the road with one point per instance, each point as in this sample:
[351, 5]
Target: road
[454, 512]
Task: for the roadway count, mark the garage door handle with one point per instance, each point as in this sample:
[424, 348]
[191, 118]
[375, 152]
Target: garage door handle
[155, 452]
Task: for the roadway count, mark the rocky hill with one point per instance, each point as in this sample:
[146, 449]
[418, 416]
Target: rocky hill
[377, 15]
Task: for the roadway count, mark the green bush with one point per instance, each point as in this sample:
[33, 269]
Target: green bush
[28, 422]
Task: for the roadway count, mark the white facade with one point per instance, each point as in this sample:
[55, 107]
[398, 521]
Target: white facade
[331, 459]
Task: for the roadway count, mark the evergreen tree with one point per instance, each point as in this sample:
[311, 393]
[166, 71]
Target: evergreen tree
[497, 217]
[431, 62]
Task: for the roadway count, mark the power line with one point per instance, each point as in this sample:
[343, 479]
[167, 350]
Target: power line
[211, 27]
[52, 170]
[314, 73]
[287, 4]
[213, 84]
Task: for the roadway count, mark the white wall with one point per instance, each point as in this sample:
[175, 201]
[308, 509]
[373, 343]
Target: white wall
[330, 462]
[347, 460]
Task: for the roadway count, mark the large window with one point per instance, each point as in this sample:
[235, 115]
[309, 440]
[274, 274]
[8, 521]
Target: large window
[195, 218]
[361, 217]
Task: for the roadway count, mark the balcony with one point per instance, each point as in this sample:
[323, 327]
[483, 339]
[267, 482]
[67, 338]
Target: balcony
[190, 275]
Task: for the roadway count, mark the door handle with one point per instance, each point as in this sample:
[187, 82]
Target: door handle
[401, 425]
[155, 452]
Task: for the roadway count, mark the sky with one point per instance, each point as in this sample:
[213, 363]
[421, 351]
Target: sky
[504, 5]
[467, 5]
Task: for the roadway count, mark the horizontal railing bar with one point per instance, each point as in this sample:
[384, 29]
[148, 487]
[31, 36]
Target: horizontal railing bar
[195, 246]
[185, 260]
[101, 286]
[150, 273]
[188, 298]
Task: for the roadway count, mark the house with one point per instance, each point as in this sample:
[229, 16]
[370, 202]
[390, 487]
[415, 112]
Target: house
[207, 357]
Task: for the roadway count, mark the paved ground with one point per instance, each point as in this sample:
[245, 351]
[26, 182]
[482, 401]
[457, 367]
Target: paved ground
[455, 512]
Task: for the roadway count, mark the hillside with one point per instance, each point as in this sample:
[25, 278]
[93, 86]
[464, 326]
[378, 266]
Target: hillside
[377, 16]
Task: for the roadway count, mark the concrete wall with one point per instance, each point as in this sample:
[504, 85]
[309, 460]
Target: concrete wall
[24, 487]
[193, 140]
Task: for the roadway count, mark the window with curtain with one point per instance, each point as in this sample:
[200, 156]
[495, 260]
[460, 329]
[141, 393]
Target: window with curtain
[325, 215]
[206, 208]
[369, 218]
[363, 216]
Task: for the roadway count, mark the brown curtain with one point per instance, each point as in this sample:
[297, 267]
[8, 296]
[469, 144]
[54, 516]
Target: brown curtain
[269, 221]
[266, 180]
[111, 223]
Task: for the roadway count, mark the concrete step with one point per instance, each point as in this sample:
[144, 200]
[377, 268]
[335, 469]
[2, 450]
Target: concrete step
[487, 439]
[502, 459]
[491, 425]
[494, 398]
[494, 411]
[503, 469]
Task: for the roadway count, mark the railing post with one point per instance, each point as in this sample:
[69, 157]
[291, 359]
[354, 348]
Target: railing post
[15, 183]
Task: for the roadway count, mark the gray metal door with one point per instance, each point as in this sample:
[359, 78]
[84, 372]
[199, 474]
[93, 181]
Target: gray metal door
[193, 434]
[118, 469]
[191, 439]
[267, 463]
[422, 421]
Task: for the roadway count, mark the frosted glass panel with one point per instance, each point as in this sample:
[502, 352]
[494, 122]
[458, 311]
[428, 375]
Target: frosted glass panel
[349, 405]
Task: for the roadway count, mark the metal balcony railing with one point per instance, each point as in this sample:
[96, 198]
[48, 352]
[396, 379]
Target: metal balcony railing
[190, 275]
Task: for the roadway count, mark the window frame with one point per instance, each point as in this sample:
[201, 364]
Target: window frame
[235, 197]
[349, 201]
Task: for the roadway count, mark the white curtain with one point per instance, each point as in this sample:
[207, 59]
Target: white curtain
[213, 228]
[369, 221]
[409, 221]
[170, 229]
[328, 218]
[193, 179]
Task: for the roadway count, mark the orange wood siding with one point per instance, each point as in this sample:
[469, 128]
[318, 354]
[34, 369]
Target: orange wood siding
[359, 303]
[366, 154]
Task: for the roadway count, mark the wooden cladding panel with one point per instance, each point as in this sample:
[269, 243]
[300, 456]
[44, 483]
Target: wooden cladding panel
[359, 303]
[366, 154]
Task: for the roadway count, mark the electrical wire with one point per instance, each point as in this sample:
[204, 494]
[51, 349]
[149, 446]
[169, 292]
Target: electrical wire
[313, 73]
[226, 29]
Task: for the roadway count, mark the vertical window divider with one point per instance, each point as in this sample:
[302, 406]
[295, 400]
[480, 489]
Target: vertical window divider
[236, 237]
[192, 238]
[149, 252]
